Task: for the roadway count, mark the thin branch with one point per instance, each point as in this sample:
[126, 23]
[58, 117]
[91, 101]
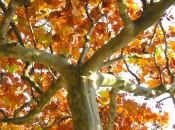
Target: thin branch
[2, 5]
[17, 33]
[88, 35]
[51, 48]
[31, 28]
[112, 61]
[2, 111]
[131, 55]
[43, 100]
[158, 68]
[151, 40]
[112, 108]
[166, 48]
[172, 97]
[53, 75]
[83, 53]
[123, 12]
[58, 121]
[22, 107]
[159, 101]
[132, 73]
[30, 79]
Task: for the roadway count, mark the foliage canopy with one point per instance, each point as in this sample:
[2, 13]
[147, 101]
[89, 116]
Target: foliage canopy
[42, 41]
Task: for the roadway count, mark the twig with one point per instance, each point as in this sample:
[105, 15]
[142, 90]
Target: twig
[31, 28]
[132, 73]
[159, 101]
[51, 48]
[41, 103]
[17, 33]
[22, 107]
[166, 47]
[58, 121]
[150, 43]
[131, 55]
[159, 70]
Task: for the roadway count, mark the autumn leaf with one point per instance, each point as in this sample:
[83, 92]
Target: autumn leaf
[76, 53]
[119, 109]
[153, 83]
[104, 93]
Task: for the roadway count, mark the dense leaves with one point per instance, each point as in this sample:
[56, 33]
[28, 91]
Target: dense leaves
[62, 27]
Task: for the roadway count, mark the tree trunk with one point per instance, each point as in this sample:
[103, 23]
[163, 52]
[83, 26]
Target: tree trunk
[82, 100]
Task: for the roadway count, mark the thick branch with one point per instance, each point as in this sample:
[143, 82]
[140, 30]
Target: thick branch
[9, 14]
[112, 80]
[127, 34]
[123, 12]
[151, 15]
[112, 108]
[14, 50]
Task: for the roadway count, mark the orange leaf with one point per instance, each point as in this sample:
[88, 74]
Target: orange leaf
[76, 53]
[153, 83]
[119, 109]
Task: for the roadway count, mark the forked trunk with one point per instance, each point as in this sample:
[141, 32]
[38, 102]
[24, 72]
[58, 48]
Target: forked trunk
[82, 101]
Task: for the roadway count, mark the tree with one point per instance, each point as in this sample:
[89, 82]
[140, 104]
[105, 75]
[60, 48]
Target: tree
[51, 49]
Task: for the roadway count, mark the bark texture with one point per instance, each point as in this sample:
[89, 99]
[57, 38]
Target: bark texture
[82, 100]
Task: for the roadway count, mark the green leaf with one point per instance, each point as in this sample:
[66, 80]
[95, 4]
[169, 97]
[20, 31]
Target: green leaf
[11, 68]
[158, 52]
[132, 60]
[67, 28]
[45, 40]
[6, 100]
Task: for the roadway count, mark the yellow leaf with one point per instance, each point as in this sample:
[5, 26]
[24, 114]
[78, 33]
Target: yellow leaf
[103, 101]
[104, 93]
[6, 1]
